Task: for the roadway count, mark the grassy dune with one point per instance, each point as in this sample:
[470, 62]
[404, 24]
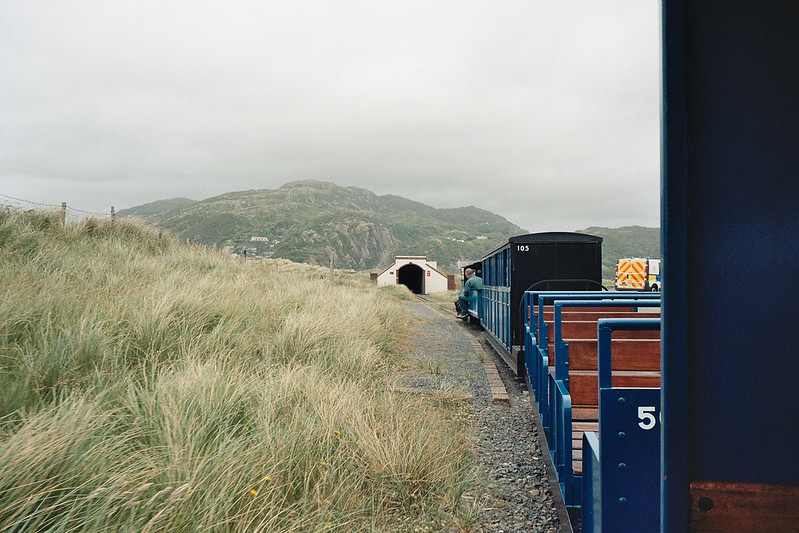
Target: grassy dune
[149, 385]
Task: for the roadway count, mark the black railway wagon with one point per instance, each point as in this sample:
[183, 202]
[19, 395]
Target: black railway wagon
[536, 261]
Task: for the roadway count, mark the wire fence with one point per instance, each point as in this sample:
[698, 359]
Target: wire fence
[13, 202]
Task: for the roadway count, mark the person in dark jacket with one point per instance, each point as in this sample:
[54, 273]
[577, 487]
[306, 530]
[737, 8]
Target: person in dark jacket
[472, 283]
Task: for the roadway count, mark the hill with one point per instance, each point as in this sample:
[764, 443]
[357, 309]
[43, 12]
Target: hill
[156, 208]
[307, 221]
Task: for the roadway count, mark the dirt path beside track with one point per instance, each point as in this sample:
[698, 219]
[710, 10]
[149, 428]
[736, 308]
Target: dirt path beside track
[515, 493]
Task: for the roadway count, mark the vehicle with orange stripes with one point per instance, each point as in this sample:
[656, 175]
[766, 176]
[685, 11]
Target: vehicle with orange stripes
[638, 274]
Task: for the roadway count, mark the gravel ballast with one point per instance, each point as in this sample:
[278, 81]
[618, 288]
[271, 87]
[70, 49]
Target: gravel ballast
[516, 494]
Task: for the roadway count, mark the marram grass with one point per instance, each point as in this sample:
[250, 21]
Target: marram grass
[148, 385]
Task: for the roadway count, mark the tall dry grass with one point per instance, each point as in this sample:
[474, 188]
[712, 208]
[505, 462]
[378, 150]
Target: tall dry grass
[149, 385]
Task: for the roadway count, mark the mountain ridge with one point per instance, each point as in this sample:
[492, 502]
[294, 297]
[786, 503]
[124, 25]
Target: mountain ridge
[308, 221]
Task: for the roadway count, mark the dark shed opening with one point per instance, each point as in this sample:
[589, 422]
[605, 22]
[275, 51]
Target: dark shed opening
[412, 276]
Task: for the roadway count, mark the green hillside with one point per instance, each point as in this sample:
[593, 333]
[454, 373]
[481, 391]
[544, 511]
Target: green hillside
[307, 221]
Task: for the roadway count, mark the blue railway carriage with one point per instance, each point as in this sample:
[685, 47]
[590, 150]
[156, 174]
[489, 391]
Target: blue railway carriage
[536, 261]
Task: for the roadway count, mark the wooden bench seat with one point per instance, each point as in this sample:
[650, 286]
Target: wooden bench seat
[584, 388]
[586, 329]
[592, 316]
[578, 429]
[594, 313]
[628, 354]
[582, 316]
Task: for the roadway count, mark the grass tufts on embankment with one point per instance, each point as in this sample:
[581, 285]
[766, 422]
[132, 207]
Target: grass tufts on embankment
[150, 385]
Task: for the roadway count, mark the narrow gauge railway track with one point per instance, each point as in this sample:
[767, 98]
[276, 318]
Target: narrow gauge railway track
[509, 443]
[436, 304]
[424, 299]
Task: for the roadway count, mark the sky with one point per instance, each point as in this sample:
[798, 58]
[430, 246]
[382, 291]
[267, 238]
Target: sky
[546, 113]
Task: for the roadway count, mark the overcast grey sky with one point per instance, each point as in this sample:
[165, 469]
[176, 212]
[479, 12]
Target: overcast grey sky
[546, 113]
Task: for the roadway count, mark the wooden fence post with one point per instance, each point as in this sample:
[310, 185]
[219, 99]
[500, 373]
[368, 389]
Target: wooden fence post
[63, 213]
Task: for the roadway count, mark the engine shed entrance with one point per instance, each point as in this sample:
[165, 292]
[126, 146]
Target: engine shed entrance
[412, 276]
[417, 273]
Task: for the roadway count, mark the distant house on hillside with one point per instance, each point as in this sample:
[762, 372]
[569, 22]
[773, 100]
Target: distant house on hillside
[417, 273]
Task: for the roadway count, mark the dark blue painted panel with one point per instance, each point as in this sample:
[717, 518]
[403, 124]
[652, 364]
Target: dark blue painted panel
[629, 449]
[743, 233]
[731, 245]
